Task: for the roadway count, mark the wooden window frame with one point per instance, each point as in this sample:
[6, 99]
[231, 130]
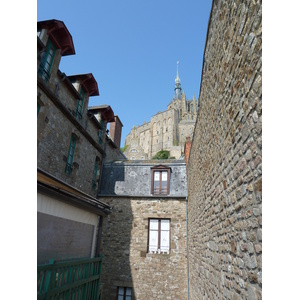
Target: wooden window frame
[159, 235]
[160, 169]
[124, 294]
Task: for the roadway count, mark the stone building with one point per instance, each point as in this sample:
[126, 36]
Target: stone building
[224, 170]
[71, 147]
[144, 239]
[166, 130]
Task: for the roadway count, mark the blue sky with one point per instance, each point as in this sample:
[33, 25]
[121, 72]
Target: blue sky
[132, 48]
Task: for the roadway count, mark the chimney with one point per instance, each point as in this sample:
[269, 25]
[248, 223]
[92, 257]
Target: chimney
[187, 148]
[116, 131]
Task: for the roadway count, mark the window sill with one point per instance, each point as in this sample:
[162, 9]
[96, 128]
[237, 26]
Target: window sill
[159, 252]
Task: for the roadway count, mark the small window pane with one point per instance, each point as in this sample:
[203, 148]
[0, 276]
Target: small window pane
[153, 240]
[164, 187]
[153, 224]
[128, 291]
[165, 224]
[156, 187]
[164, 241]
[121, 291]
[156, 176]
[120, 297]
[164, 176]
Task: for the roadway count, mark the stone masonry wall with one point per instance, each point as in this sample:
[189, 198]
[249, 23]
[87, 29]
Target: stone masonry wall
[125, 258]
[225, 166]
[53, 140]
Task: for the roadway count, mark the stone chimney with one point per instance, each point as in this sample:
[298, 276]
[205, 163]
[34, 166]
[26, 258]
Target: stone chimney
[116, 131]
[187, 148]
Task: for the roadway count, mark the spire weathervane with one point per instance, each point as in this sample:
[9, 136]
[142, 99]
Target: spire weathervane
[177, 80]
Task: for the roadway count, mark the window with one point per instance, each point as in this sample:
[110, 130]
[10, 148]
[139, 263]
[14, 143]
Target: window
[47, 61]
[159, 235]
[101, 130]
[69, 165]
[95, 173]
[124, 293]
[160, 180]
[80, 104]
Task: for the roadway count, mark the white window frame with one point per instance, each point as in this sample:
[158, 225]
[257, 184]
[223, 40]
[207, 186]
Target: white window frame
[159, 235]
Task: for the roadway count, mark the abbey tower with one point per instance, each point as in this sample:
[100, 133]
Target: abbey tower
[166, 130]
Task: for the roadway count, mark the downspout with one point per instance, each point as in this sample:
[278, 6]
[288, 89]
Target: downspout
[187, 248]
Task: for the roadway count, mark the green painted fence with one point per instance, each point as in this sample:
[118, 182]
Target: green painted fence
[74, 280]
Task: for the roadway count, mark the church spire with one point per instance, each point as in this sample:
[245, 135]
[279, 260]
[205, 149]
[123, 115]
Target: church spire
[177, 85]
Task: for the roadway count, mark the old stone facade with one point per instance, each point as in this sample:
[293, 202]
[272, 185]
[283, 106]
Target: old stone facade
[210, 220]
[166, 130]
[225, 164]
[128, 261]
[71, 147]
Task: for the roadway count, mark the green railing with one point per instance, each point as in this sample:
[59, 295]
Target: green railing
[77, 279]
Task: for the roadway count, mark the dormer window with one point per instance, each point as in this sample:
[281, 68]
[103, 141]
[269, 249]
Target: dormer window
[160, 183]
[47, 61]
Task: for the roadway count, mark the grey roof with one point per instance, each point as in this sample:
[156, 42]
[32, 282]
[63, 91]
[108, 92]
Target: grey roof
[133, 178]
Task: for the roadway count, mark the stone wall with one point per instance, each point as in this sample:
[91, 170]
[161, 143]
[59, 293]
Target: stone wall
[53, 140]
[225, 164]
[167, 130]
[125, 258]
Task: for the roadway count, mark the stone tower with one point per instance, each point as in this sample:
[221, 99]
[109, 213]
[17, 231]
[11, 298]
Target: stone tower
[166, 130]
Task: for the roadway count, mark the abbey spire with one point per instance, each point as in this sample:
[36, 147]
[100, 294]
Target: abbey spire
[177, 85]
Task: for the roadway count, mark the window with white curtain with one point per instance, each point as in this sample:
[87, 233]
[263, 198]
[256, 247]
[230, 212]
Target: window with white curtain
[159, 235]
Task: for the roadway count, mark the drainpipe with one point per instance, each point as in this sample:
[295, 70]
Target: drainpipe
[187, 248]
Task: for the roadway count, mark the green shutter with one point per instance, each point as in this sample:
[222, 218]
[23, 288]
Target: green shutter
[47, 61]
[101, 130]
[96, 166]
[70, 157]
[80, 104]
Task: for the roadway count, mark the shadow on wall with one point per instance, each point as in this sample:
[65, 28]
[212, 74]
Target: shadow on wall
[110, 175]
[116, 271]
[116, 233]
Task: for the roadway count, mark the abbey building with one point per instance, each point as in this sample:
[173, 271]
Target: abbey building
[166, 130]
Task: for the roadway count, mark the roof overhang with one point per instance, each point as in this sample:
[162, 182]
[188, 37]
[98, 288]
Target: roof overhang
[59, 35]
[88, 82]
[105, 110]
[67, 193]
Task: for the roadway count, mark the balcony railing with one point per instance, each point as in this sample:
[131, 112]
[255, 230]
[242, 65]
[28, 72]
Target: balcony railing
[77, 279]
